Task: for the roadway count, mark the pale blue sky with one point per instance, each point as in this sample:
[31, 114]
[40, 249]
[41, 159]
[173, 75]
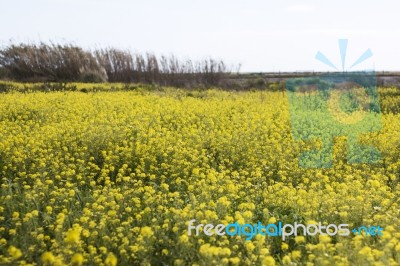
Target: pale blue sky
[261, 35]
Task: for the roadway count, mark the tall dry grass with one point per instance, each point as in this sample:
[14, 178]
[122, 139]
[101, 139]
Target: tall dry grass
[67, 62]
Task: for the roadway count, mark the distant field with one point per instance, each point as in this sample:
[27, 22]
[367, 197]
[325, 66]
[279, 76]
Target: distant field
[113, 176]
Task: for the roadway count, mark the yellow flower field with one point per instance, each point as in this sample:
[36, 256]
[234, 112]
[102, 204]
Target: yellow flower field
[113, 178]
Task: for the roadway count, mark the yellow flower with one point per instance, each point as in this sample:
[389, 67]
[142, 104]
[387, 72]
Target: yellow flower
[111, 260]
[112, 213]
[286, 260]
[73, 235]
[77, 259]
[249, 246]
[300, 239]
[311, 222]
[14, 252]
[264, 251]
[296, 254]
[179, 262]
[146, 231]
[49, 209]
[129, 166]
[103, 250]
[165, 252]
[48, 258]
[325, 239]
[268, 261]
[183, 238]
[235, 260]
[365, 251]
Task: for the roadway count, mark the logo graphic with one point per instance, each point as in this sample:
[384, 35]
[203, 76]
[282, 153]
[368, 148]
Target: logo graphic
[343, 52]
[282, 230]
[333, 105]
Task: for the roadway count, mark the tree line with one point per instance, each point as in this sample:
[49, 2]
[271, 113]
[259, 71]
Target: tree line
[67, 62]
